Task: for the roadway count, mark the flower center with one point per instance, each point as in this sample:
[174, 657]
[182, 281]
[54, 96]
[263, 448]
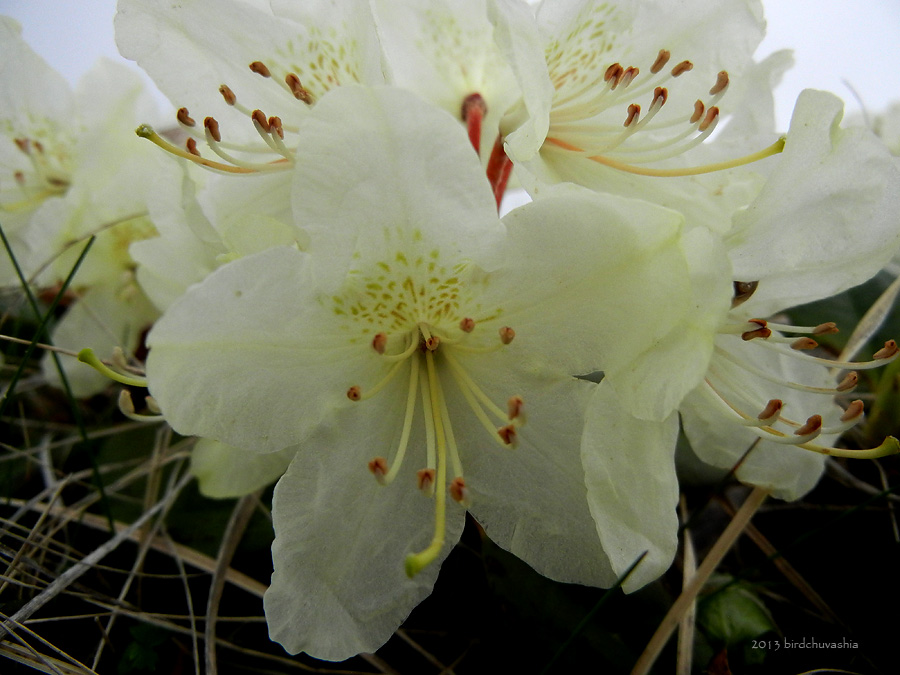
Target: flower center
[49, 175]
[739, 402]
[583, 118]
[411, 315]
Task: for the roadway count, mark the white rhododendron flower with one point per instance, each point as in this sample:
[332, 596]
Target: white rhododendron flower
[73, 169]
[620, 84]
[251, 68]
[824, 222]
[410, 340]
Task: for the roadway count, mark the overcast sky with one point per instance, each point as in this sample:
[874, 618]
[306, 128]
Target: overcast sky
[833, 44]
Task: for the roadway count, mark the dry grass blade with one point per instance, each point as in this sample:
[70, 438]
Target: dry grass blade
[871, 321]
[68, 577]
[237, 524]
[687, 626]
[689, 594]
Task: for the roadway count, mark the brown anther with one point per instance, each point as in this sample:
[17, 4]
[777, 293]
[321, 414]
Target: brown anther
[467, 325]
[849, 382]
[259, 68]
[826, 328]
[354, 393]
[514, 407]
[813, 424]
[260, 118]
[213, 127]
[276, 126]
[458, 490]
[890, 348]
[185, 117]
[614, 75]
[660, 96]
[191, 146]
[508, 434]
[379, 468]
[761, 332]
[227, 94]
[854, 410]
[661, 60]
[432, 343]
[39, 147]
[804, 343]
[628, 76]
[634, 112]
[300, 92]
[19, 177]
[472, 102]
[24, 145]
[507, 335]
[711, 116]
[699, 109]
[742, 292]
[772, 409]
[379, 342]
[425, 479]
[682, 68]
[721, 83]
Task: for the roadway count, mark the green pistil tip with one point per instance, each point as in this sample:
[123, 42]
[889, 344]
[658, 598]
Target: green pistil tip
[416, 562]
[88, 356]
[145, 131]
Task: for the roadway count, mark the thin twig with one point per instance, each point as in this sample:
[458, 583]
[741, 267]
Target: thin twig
[237, 524]
[79, 568]
[686, 628]
[709, 564]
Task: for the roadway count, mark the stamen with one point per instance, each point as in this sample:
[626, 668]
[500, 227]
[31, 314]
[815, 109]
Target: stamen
[778, 380]
[126, 407]
[884, 355]
[300, 92]
[804, 343]
[191, 146]
[185, 118]
[212, 128]
[712, 116]
[415, 563]
[260, 68]
[699, 109]
[514, 407]
[507, 335]
[682, 68]
[379, 468]
[227, 94]
[849, 382]
[813, 426]
[467, 325]
[354, 393]
[379, 342]
[508, 435]
[661, 60]
[634, 111]
[425, 481]
[412, 391]
[771, 412]
[853, 412]
[88, 356]
[459, 491]
[889, 351]
[721, 83]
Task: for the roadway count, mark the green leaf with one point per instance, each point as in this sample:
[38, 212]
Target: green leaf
[733, 614]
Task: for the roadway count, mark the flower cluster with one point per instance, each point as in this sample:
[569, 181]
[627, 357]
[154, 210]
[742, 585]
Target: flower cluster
[336, 304]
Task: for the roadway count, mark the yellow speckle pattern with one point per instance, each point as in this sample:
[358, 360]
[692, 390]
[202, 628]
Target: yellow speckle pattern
[322, 59]
[580, 57]
[411, 287]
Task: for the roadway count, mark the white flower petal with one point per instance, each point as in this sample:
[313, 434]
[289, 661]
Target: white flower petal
[250, 356]
[629, 467]
[341, 539]
[224, 471]
[826, 219]
[788, 472]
